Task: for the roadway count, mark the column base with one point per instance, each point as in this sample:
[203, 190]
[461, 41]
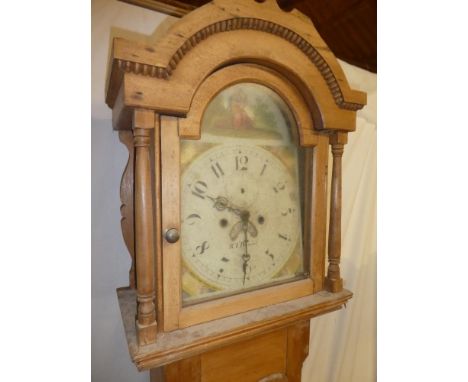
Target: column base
[334, 285]
[146, 334]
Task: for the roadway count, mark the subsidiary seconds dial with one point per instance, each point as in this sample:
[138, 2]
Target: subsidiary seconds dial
[240, 216]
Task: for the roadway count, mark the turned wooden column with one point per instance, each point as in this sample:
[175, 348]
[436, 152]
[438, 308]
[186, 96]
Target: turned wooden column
[143, 122]
[333, 281]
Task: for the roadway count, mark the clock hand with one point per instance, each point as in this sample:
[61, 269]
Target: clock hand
[248, 226]
[252, 229]
[221, 203]
[236, 230]
[243, 225]
[245, 256]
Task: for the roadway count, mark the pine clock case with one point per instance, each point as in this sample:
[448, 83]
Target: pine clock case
[158, 95]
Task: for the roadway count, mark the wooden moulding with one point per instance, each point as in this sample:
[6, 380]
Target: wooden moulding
[189, 342]
[189, 127]
[222, 33]
[214, 309]
[162, 60]
[174, 95]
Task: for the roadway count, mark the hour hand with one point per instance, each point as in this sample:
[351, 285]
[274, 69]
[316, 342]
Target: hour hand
[221, 203]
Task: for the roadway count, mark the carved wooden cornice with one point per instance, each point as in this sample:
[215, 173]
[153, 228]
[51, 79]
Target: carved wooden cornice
[244, 23]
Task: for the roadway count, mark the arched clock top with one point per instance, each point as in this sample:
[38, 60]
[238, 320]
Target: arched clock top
[189, 127]
[164, 77]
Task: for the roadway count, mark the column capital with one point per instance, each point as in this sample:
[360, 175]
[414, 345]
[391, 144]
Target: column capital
[141, 137]
[339, 138]
[143, 119]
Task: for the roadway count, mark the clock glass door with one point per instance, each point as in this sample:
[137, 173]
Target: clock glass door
[241, 199]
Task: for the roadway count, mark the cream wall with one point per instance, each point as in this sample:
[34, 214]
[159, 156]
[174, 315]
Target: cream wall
[342, 347]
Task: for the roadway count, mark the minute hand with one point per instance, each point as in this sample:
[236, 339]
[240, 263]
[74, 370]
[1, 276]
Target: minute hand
[245, 256]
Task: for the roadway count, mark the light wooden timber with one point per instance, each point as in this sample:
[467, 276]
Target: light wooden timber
[297, 349]
[143, 123]
[248, 360]
[170, 199]
[126, 198]
[334, 282]
[214, 309]
[318, 211]
[122, 115]
[188, 342]
[208, 39]
[157, 197]
[188, 369]
[276, 356]
[159, 94]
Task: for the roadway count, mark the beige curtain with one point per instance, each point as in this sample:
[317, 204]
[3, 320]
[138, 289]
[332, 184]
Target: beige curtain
[343, 343]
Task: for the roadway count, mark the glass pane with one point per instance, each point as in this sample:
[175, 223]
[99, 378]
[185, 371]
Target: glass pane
[240, 196]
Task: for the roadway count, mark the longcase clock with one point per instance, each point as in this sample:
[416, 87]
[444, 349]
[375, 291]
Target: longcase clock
[229, 120]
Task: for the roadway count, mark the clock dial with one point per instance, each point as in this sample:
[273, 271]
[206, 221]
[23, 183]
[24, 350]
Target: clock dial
[241, 222]
[240, 216]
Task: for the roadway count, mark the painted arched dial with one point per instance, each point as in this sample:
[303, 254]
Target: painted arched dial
[240, 196]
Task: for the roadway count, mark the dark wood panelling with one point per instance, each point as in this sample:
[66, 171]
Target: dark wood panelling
[349, 27]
